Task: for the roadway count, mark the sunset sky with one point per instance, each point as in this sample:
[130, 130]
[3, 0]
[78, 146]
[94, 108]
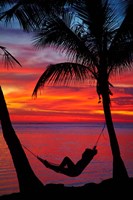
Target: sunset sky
[75, 103]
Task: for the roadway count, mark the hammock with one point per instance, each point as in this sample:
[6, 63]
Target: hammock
[72, 170]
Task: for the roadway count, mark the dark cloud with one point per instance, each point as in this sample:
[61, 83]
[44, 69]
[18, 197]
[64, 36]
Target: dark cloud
[123, 100]
[17, 78]
[125, 90]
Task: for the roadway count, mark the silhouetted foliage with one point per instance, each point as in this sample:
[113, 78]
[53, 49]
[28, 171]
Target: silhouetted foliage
[8, 59]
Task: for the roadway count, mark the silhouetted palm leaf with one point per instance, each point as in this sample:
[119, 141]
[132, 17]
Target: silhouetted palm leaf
[63, 73]
[56, 32]
[8, 58]
[24, 13]
[121, 49]
[29, 13]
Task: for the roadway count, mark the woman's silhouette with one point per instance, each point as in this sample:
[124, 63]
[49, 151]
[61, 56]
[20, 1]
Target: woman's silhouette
[67, 166]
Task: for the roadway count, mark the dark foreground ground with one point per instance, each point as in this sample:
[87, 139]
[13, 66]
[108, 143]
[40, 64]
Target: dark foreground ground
[107, 189]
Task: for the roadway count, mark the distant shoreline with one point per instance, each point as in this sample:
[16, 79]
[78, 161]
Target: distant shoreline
[93, 122]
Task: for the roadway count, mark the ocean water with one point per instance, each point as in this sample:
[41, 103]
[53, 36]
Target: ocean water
[54, 141]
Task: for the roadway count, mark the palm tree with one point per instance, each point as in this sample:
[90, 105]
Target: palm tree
[98, 42]
[27, 180]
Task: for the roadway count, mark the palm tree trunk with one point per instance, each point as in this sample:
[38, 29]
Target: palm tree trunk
[28, 182]
[119, 169]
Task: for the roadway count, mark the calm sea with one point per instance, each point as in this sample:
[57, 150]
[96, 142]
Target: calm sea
[53, 141]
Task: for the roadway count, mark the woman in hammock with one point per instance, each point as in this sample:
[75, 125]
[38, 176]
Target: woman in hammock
[67, 166]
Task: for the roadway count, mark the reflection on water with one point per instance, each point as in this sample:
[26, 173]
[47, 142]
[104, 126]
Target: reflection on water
[53, 142]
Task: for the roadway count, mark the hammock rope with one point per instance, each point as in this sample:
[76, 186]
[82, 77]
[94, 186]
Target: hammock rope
[100, 135]
[29, 151]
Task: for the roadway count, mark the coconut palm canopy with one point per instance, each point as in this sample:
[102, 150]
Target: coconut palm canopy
[95, 35]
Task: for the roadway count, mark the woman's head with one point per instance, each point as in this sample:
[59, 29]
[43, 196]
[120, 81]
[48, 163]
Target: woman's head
[89, 152]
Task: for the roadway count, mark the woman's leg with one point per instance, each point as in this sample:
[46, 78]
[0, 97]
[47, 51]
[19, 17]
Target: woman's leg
[58, 168]
[67, 162]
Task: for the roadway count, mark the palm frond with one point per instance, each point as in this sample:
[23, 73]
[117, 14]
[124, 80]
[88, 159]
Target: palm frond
[100, 18]
[125, 30]
[8, 58]
[29, 14]
[63, 73]
[93, 13]
[25, 13]
[56, 33]
[3, 3]
[121, 57]
[121, 49]
[126, 26]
